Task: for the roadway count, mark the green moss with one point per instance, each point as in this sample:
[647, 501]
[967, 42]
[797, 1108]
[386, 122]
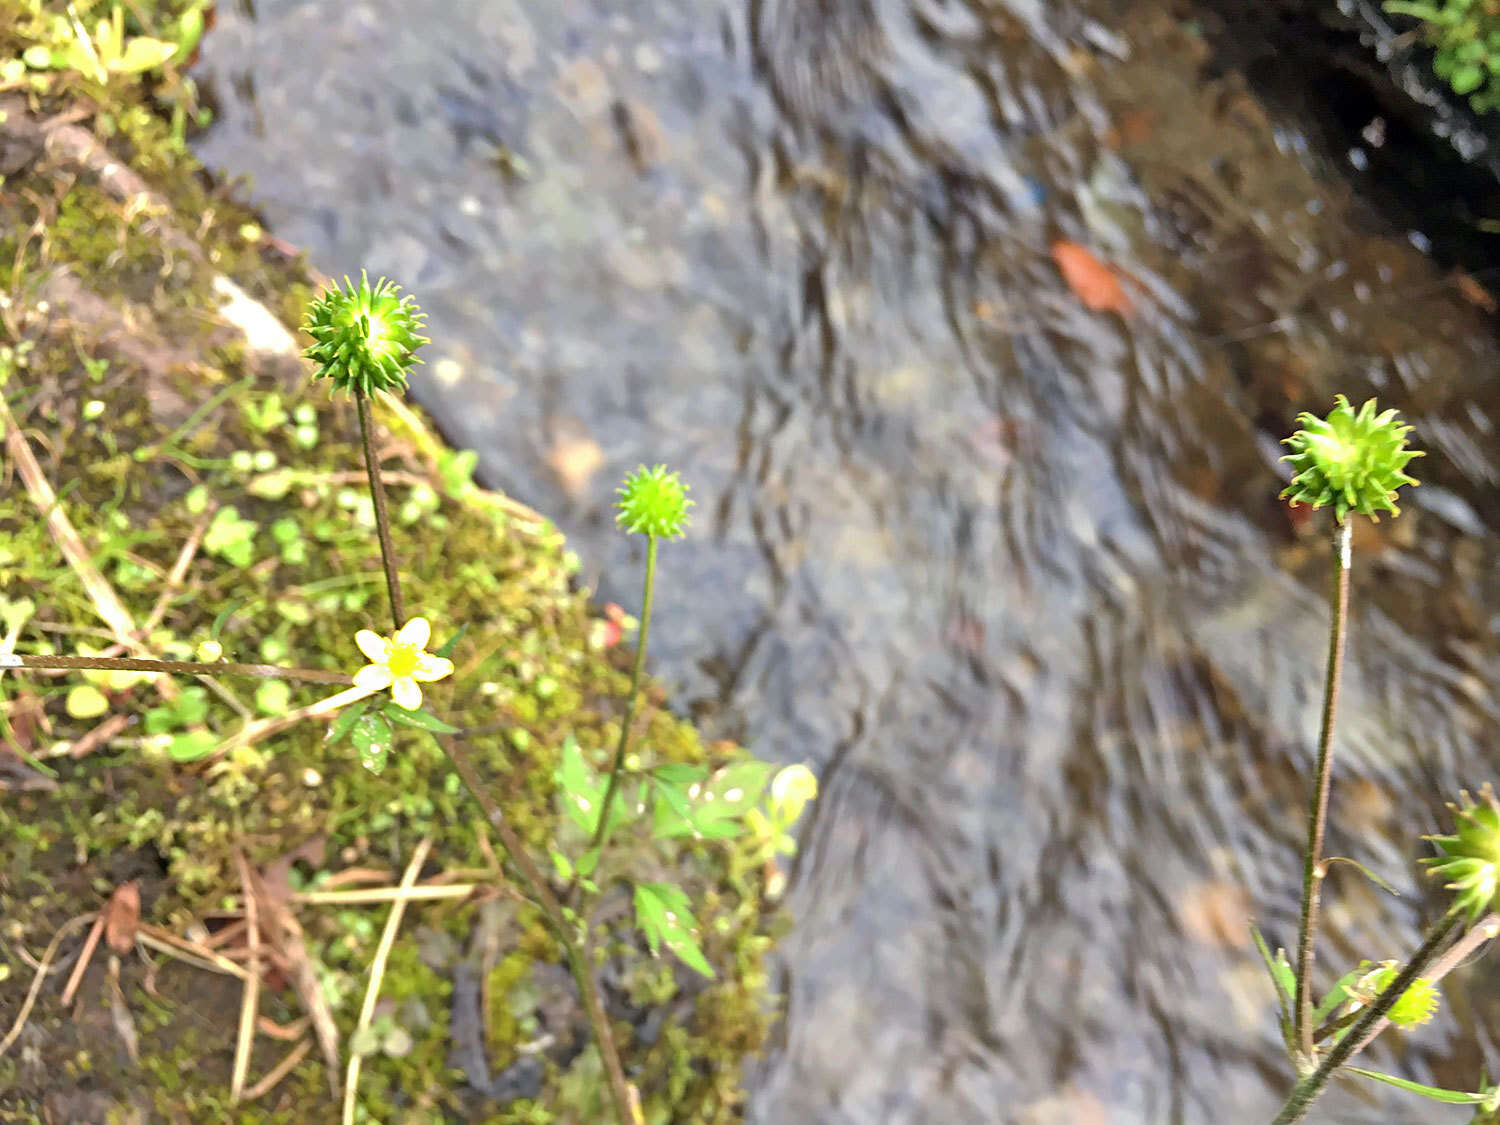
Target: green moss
[215, 428]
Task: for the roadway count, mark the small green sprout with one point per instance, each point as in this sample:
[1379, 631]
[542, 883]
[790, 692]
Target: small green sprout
[366, 339]
[1470, 859]
[400, 662]
[1353, 461]
[653, 502]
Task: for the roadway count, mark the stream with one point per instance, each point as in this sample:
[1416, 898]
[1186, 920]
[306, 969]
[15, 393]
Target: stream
[1008, 571]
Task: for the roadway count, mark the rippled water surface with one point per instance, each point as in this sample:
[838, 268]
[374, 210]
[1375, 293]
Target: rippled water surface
[1008, 570]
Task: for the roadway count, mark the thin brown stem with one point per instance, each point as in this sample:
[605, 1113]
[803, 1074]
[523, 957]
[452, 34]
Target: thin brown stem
[382, 517]
[1312, 871]
[183, 667]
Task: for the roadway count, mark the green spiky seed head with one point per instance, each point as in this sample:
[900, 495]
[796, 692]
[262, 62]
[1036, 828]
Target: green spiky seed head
[366, 339]
[653, 502]
[1417, 1005]
[1355, 462]
[1470, 859]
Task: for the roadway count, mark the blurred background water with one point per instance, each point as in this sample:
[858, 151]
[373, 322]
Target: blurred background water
[1008, 570]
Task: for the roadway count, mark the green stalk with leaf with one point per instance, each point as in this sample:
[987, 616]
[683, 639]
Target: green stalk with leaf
[1355, 462]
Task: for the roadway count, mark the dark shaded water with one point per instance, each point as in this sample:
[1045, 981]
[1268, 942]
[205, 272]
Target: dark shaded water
[1009, 572]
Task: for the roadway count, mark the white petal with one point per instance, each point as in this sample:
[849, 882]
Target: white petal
[373, 677]
[375, 647]
[415, 632]
[406, 693]
[431, 667]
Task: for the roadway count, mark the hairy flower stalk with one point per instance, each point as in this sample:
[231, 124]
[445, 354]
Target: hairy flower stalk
[654, 503]
[366, 341]
[1354, 462]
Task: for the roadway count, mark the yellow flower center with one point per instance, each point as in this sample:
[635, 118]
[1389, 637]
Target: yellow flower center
[403, 660]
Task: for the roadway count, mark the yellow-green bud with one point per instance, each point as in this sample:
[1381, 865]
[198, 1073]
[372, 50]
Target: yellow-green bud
[1353, 461]
[653, 502]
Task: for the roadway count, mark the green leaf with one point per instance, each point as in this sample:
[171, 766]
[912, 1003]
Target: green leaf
[711, 809]
[345, 722]
[680, 773]
[193, 745]
[560, 862]
[1436, 1093]
[372, 737]
[588, 861]
[663, 913]
[448, 645]
[457, 470]
[1283, 980]
[86, 702]
[583, 790]
[1466, 79]
[1337, 995]
[223, 617]
[273, 697]
[1420, 11]
[1365, 871]
[422, 720]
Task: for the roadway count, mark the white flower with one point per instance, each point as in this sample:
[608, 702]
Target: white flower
[399, 662]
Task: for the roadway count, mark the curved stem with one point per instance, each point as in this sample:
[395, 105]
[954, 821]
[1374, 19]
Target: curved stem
[635, 687]
[1307, 1090]
[1312, 870]
[183, 667]
[553, 911]
[382, 518]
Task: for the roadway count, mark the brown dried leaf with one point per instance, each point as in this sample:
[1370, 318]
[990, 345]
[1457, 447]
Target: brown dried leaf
[279, 929]
[1092, 282]
[122, 917]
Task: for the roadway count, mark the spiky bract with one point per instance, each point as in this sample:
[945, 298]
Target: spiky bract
[1355, 462]
[1470, 859]
[366, 338]
[653, 502]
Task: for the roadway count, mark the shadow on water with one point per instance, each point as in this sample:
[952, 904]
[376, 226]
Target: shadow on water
[1009, 571]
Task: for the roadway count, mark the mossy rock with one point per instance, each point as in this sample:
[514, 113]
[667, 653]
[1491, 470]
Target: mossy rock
[148, 366]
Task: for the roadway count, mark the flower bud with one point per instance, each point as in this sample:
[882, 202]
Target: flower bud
[365, 339]
[1353, 461]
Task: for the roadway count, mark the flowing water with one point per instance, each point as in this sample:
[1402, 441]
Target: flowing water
[1007, 570]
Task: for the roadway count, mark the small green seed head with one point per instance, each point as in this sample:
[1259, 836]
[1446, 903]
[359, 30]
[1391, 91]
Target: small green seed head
[366, 339]
[1416, 1006]
[1353, 461]
[653, 502]
[1470, 858]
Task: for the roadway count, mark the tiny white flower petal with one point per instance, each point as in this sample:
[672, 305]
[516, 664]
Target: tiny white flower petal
[406, 693]
[431, 667]
[373, 677]
[375, 647]
[415, 632]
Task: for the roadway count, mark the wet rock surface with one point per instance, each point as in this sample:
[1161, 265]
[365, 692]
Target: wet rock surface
[1009, 569]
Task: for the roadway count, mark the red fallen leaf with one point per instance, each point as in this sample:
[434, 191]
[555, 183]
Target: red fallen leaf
[1092, 282]
[122, 916]
[1476, 294]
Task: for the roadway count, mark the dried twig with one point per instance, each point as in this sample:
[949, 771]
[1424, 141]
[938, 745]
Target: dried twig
[377, 968]
[387, 894]
[41, 974]
[279, 1071]
[89, 945]
[250, 999]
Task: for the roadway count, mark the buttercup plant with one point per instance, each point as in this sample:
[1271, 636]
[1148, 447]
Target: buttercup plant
[1355, 462]
[365, 343]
